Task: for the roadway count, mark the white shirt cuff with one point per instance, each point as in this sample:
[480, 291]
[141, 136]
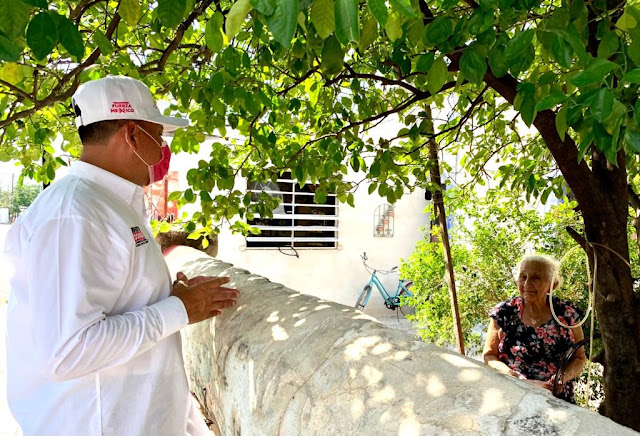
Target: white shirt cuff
[173, 313]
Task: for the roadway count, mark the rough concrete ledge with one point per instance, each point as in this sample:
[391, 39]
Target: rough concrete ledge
[284, 363]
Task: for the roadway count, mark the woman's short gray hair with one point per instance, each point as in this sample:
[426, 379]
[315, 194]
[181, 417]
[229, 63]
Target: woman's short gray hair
[551, 265]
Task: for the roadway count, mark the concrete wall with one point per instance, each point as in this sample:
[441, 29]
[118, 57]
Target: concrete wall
[284, 363]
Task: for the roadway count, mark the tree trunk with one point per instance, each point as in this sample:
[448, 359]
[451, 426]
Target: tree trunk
[617, 306]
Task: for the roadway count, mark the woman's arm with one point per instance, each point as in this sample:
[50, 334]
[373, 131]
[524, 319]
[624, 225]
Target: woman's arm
[490, 352]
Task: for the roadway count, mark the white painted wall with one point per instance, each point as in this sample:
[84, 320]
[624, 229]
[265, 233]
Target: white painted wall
[338, 274]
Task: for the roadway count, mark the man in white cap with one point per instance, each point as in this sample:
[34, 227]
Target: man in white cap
[93, 344]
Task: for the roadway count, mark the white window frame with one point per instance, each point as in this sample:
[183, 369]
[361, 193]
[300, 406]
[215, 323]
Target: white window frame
[284, 230]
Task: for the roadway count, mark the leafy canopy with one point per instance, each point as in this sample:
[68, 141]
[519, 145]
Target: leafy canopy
[303, 81]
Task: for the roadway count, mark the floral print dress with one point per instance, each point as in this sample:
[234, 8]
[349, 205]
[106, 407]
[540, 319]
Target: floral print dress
[536, 352]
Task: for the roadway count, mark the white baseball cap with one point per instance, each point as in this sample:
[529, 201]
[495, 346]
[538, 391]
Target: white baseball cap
[119, 98]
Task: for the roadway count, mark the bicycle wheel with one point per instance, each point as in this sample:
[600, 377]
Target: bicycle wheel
[363, 298]
[406, 309]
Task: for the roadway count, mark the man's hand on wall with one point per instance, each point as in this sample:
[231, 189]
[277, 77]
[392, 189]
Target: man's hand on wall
[204, 297]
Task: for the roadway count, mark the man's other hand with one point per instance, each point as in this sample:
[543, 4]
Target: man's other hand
[204, 297]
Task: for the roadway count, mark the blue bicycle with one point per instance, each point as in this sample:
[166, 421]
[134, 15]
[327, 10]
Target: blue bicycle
[392, 302]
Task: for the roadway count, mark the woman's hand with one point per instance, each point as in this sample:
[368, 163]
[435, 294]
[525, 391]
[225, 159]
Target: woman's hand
[538, 383]
[549, 385]
[516, 374]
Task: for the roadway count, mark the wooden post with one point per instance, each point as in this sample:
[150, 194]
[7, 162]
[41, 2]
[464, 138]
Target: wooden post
[438, 206]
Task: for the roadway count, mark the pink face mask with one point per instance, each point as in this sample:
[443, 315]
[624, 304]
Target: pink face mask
[158, 170]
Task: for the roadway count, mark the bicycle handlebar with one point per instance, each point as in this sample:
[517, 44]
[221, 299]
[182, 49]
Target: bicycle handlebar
[364, 258]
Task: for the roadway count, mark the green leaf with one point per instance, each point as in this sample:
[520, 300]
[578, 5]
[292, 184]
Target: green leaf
[103, 43]
[171, 12]
[42, 4]
[437, 76]
[602, 138]
[497, 62]
[596, 72]
[175, 195]
[480, 21]
[41, 35]
[213, 36]
[561, 122]
[626, 22]
[617, 143]
[634, 51]
[547, 78]
[550, 100]
[562, 51]
[369, 34]
[636, 112]
[372, 188]
[347, 22]
[265, 7]
[282, 23]
[69, 35]
[473, 65]
[394, 26]
[601, 105]
[404, 7]
[9, 52]
[14, 17]
[323, 17]
[379, 10]
[129, 10]
[189, 196]
[425, 62]
[608, 45]
[51, 172]
[12, 73]
[236, 16]
[632, 140]
[355, 163]
[584, 145]
[516, 46]
[572, 35]
[216, 82]
[632, 76]
[332, 56]
[528, 110]
[438, 31]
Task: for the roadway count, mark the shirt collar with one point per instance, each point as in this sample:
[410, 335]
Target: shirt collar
[120, 188]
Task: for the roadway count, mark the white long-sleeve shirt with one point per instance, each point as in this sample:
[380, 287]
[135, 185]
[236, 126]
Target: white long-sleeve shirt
[92, 334]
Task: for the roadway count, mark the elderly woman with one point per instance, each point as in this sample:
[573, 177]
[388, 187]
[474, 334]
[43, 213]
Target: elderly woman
[525, 341]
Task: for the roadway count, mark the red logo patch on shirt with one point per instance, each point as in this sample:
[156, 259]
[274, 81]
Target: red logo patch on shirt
[138, 236]
[121, 107]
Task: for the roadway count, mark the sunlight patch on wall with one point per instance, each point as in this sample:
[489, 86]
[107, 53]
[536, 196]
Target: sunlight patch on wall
[278, 333]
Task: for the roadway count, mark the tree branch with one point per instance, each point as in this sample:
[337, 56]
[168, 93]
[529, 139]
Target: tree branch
[76, 13]
[18, 91]
[381, 79]
[298, 81]
[160, 64]
[57, 94]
